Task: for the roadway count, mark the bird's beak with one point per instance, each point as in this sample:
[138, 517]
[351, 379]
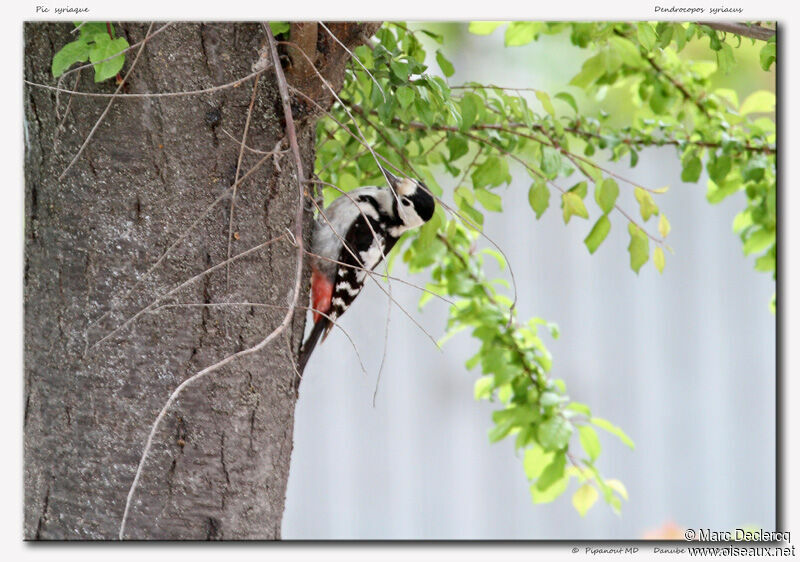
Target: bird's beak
[394, 181]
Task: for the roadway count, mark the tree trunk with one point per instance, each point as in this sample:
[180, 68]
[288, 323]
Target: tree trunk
[220, 460]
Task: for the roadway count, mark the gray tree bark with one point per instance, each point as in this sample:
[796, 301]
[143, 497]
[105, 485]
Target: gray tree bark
[220, 461]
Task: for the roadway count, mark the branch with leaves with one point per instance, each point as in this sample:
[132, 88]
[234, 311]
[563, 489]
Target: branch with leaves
[467, 136]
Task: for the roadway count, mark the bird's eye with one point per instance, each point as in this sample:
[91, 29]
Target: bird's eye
[406, 202]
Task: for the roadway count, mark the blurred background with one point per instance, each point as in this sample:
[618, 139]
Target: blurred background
[684, 362]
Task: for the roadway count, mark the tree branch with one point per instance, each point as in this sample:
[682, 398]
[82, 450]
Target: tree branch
[739, 28]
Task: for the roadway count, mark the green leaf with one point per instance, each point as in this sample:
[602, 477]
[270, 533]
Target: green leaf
[484, 27]
[483, 387]
[564, 96]
[580, 408]
[279, 27]
[742, 221]
[658, 259]
[661, 99]
[490, 201]
[725, 59]
[618, 487]
[90, 29]
[400, 70]
[613, 429]
[501, 261]
[469, 110]
[580, 188]
[69, 54]
[639, 247]
[444, 64]
[754, 169]
[728, 95]
[592, 69]
[539, 197]
[554, 433]
[499, 431]
[435, 36]
[691, 170]
[104, 49]
[599, 232]
[552, 492]
[612, 61]
[758, 240]
[551, 161]
[767, 55]
[521, 32]
[766, 263]
[405, 95]
[647, 207]
[457, 147]
[627, 51]
[663, 225]
[492, 172]
[703, 67]
[719, 167]
[347, 182]
[552, 473]
[646, 35]
[589, 441]
[572, 204]
[716, 192]
[546, 103]
[761, 101]
[550, 399]
[429, 230]
[584, 498]
[535, 461]
[665, 31]
[605, 194]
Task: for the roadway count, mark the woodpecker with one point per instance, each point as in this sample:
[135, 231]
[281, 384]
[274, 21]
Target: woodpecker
[346, 246]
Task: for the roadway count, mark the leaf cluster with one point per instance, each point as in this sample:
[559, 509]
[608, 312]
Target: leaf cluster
[97, 43]
[411, 117]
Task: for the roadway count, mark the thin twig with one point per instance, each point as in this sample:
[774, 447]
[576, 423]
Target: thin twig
[250, 148]
[678, 85]
[234, 84]
[384, 354]
[264, 305]
[108, 107]
[184, 284]
[471, 164]
[60, 126]
[354, 57]
[184, 235]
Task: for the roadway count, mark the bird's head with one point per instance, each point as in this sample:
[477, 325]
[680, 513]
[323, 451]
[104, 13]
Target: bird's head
[415, 204]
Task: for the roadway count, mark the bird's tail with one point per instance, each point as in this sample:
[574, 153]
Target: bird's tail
[311, 342]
